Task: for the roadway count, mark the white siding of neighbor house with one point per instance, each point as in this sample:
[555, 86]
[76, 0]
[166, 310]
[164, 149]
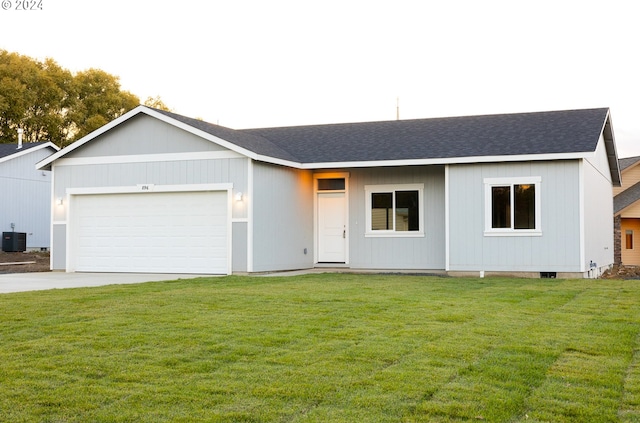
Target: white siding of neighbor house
[154, 141]
[558, 249]
[598, 210]
[282, 218]
[26, 198]
[424, 253]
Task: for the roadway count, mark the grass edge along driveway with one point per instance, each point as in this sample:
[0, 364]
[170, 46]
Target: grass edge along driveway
[324, 348]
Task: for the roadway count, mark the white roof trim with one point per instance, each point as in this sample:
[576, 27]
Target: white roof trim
[448, 160]
[147, 158]
[23, 151]
[152, 113]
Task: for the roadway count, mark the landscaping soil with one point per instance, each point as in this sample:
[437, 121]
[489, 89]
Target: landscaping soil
[622, 272]
[41, 260]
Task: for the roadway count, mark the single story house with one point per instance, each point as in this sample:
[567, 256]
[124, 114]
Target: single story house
[154, 191]
[25, 206]
[626, 209]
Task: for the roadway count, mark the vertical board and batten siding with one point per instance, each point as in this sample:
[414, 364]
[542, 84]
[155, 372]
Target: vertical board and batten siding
[556, 250]
[282, 218]
[151, 142]
[158, 173]
[141, 135]
[26, 198]
[426, 252]
[598, 209]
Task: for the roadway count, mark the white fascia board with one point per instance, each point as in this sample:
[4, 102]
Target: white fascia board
[25, 151]
[148, 158]
[82, 141]
[149, 112]
[149, 188]
[447, 161]
[199, 133]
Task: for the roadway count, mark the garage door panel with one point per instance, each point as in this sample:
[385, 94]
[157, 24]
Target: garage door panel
[183, 232]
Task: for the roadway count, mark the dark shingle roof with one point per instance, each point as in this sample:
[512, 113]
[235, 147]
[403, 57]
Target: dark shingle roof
[628, 161]
[569, 131]
[9, 149]
[626, 198]
[242, 139]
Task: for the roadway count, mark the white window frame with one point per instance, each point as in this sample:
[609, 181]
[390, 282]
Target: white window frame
[489, 183]
[373, 189]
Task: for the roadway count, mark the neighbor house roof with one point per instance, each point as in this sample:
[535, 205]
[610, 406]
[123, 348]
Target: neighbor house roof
[568, 134]
[630, 195]
[628, 162]
[626, 198]
[10, 151]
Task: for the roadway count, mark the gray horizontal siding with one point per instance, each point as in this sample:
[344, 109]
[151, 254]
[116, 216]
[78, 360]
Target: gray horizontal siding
[26, 198]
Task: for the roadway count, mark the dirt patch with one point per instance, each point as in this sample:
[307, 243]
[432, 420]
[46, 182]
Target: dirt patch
[622, 272]
[40, 262]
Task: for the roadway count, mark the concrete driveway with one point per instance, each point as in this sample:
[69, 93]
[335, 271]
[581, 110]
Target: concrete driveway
[19, 282]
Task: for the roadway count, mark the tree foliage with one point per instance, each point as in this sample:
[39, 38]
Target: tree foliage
[51, 104]
[157, 103]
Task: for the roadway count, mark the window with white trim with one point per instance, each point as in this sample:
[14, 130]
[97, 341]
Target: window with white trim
[512, 206]
[394, 210]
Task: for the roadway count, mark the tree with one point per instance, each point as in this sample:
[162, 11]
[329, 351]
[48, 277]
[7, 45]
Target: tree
[51, 104]
[157, 103]
[34, 96]
[99, 100]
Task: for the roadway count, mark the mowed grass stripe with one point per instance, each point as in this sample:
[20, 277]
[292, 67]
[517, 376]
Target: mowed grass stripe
[320, 348]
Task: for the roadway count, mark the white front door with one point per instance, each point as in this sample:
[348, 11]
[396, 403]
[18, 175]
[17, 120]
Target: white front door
[332, 227]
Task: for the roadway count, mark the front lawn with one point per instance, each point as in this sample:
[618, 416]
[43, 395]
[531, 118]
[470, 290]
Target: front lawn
[324, 348]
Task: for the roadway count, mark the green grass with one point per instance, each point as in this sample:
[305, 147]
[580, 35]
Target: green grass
[324, 348]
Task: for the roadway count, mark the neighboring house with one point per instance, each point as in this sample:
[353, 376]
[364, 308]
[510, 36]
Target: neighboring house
[154, 191]
[626, 211]
[25, 205]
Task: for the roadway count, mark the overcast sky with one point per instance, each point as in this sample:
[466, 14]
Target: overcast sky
[258, 63]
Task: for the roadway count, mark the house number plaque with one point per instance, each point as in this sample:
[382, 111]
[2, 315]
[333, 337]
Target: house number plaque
[145, 187]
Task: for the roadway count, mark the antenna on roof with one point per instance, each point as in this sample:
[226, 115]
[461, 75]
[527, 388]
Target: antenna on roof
[397, 108]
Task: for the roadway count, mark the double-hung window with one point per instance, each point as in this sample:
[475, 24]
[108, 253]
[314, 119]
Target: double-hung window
[512, 206]
[394, 210]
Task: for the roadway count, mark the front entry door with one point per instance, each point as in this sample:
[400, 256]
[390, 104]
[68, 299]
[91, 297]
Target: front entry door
[332, 227]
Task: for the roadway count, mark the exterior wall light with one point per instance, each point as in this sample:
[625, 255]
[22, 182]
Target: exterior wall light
[59, 201]
[238, 196]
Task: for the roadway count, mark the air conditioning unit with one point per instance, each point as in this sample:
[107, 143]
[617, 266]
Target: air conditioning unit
[13, 242]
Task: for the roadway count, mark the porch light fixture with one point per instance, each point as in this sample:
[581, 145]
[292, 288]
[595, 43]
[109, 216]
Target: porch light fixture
[238, 196]
[59, 201]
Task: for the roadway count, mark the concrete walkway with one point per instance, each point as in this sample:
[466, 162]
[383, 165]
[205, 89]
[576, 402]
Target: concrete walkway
[20, 282]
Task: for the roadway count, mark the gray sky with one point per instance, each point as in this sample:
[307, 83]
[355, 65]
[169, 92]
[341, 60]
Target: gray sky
[257, 63]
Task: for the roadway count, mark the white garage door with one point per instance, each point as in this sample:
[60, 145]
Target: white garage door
[166, 232]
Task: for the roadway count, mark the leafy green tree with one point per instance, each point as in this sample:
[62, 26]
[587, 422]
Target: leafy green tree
[99, 100]
[157, 103]
[34, 96]
[51, 104]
